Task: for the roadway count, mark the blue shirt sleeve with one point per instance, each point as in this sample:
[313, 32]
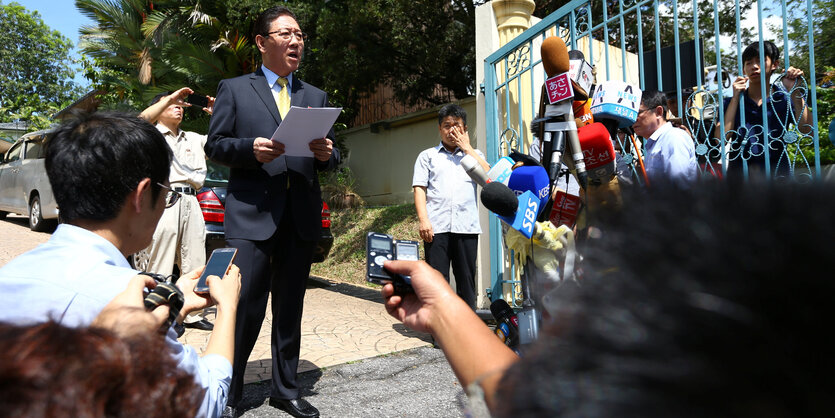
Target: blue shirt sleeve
[212, 372]
[679, 158]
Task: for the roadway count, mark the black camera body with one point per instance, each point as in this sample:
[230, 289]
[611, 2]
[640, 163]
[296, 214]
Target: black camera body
[165, 293]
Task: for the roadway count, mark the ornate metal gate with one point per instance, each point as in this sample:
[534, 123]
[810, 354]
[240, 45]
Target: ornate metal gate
[687, 49]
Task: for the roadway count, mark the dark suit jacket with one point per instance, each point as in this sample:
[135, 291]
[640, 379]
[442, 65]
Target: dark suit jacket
[245, 109]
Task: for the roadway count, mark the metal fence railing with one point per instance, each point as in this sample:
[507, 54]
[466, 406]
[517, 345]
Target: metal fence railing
[690, 50]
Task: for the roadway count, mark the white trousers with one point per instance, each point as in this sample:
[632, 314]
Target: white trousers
[180, 238]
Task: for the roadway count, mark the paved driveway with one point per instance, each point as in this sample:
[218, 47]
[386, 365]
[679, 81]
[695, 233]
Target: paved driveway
[341, 322]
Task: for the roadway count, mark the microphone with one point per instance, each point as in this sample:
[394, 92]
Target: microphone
[598, 152]
[517, 212]
[559, 88]
[557, 62]
[581, 74]
[507, 322]
[582, 113]
[615, 104]
[524, 159]
[500, 172]
[474, 170]
[531, 178]
[566, 208]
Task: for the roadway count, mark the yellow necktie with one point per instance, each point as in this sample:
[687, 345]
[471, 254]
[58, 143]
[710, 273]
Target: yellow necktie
[283, 101]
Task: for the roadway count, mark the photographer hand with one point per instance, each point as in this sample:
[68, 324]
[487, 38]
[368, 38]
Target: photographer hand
[225, 292]
[419, 310]
[193, 301]
[125, 315]
[473, 351]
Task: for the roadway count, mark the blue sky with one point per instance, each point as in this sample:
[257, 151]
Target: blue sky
[60, 15]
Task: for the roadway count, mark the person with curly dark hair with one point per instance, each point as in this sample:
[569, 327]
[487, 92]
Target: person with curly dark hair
[50, 370]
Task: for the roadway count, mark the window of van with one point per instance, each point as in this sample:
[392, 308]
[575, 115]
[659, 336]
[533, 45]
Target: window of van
[34, 149]
[14, 153]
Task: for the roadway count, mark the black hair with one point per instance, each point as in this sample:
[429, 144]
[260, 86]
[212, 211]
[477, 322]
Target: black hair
[654, 98]
[753, 52]
[266, 18]
[159, 97]
[452, 110]
[707, 302]
[95, 160]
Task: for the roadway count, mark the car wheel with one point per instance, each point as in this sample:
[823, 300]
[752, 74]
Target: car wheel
[3, 215]
[140, 260]
[36, 221]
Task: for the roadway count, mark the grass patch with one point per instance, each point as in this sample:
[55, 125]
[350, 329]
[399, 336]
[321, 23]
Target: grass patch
[346, 261]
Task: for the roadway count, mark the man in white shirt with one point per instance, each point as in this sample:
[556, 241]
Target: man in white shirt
[180, 236]
[670, 154]
[446, 202]
[109, 174]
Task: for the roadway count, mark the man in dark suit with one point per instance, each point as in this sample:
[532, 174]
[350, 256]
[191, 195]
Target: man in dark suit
[273, 209]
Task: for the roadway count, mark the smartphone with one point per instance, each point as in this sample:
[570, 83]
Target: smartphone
[219, 263]
[198, 100]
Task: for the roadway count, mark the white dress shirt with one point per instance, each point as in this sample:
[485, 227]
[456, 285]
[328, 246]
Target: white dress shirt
[451, 201]
[274, 87]
[189, 163]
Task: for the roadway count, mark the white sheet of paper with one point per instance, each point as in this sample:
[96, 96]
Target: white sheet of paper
[302, 125]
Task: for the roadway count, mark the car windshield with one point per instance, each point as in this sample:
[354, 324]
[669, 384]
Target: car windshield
[216, 175]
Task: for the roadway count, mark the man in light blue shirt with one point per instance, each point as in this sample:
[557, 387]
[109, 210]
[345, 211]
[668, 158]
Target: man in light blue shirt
[109, 174]
[670, 154]
[446, 202]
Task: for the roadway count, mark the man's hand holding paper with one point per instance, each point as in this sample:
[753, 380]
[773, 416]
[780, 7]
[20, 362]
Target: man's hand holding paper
[267, 150]
[303, 131]
[322, 148]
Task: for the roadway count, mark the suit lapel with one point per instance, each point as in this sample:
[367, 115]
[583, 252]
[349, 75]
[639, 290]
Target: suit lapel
[297, 96]
[259, 83]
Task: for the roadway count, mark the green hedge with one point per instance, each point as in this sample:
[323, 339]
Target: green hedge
[826, 112]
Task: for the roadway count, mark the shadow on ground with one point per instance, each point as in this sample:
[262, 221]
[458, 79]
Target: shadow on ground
[369, 294]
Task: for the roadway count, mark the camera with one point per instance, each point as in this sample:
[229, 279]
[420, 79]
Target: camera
[382, 247]
[165, 293]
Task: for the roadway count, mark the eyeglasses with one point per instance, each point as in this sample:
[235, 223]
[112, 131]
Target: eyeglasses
[171, 197]
[448, 127]
[642, 111]
[286, 34]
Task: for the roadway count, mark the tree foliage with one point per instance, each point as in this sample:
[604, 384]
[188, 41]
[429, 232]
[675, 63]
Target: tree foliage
[141, 47]
[823, 30]
[826, 113]
[36, 69]
[641, 29]
[410, 46]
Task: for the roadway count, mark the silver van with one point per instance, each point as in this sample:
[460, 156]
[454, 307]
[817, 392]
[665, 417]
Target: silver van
[24, 187]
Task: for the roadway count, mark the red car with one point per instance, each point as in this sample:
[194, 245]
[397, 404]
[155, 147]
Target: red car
[212, 198]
